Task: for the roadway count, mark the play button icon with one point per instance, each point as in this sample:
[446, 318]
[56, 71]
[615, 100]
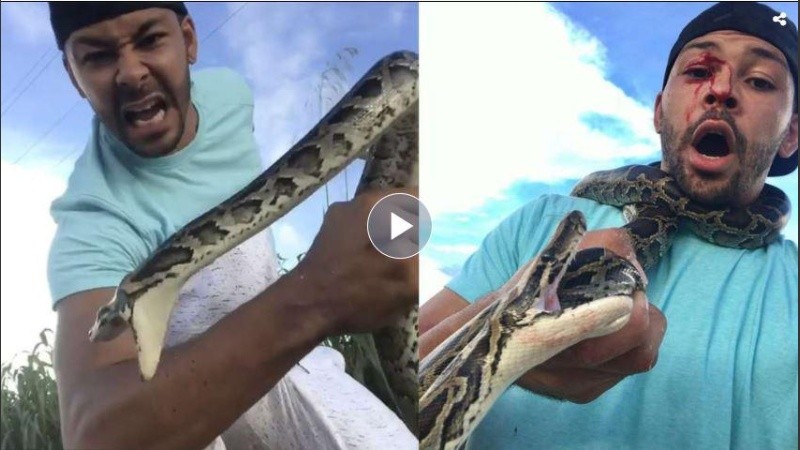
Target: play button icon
[399, 225]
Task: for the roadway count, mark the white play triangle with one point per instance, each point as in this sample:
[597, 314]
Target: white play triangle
[398, 226]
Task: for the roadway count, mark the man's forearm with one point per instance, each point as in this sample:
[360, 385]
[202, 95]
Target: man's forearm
[431, 335]
[203, 385]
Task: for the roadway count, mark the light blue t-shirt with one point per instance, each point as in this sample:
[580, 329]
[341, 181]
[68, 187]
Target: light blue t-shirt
[726, 375]
[118, 206]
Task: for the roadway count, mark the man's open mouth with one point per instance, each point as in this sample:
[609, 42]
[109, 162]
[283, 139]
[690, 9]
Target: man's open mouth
[714, 139]
[145, 112]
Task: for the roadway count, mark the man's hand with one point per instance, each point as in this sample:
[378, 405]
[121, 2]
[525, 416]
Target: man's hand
[359, 289]
[586, 370]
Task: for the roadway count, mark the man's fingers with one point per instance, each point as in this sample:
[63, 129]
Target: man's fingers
[585, 371]
[643, 357]
[592, 392]
[575, 384]
[594, 352]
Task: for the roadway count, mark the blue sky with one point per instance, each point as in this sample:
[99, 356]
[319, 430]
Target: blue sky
[520, 100]
[281, 49]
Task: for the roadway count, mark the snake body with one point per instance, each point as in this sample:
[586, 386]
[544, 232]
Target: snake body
[563, 296]
[376, 119]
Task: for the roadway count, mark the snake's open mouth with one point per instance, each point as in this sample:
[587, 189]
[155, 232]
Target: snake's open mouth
[548, 302]
[610, 275]
[713, 139]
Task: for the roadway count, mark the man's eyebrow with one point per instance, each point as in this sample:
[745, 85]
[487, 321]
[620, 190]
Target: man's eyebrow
[702, 45]
[765, 53]
[95, 41]
[145, 27]
[760, 52]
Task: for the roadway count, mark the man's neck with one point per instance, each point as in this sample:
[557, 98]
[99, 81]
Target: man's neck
[190, 129]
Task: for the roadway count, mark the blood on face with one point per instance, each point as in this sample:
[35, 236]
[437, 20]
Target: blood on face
[713, 67]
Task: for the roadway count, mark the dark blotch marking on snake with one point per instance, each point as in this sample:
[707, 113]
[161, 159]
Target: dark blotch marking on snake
[307, 159]
[343, 115]
[426, 422]
[167, 258]
[370, 88]
[283, 187]
[340, 140]
[401, 74]
[208, 233]
[135, 294]
[246, 211]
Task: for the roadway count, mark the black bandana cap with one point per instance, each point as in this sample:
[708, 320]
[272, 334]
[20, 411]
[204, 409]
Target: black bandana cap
[756, 20]
[67, 17]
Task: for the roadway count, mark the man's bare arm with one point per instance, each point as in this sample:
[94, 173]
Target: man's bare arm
[202, 386]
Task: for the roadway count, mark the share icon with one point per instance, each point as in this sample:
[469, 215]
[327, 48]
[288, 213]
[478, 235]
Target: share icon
[781, 19]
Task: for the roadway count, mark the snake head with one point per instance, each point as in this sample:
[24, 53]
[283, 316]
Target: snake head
[109, 324]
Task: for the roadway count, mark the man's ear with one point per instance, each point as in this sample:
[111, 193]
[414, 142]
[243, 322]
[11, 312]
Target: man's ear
[657, 114]
[789, 143]
[189, 38]
[68, 68]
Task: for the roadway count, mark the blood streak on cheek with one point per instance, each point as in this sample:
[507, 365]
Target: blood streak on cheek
[712, 63]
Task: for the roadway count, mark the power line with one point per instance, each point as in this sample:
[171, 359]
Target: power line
[61, 161]
[49, 130]
[64, 116]
[22, 80]
[230, 16]
[30, 83]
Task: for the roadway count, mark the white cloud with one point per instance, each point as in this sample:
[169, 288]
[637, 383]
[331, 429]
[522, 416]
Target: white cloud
[289, 243]
[280, 48]
[431, 279]
[26, 231]
[283, 51]
[30, 21]
[29, 149]
[504, 89]
[397, 15]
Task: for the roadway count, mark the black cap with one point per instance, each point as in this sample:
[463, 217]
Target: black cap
[754, 19]
[67, 17]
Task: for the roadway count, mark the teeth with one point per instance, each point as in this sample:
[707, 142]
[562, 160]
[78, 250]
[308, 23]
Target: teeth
[158, 117]
[144, 107]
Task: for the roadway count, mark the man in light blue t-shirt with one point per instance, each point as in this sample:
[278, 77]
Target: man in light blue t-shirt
[164, 148]
[725, 374]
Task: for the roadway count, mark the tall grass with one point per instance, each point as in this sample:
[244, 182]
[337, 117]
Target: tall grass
[30, 401]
